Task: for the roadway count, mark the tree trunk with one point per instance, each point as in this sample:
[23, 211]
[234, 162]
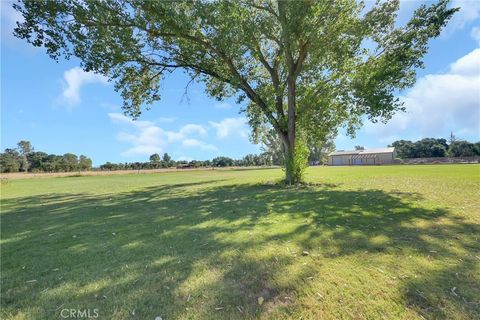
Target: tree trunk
[291, 170]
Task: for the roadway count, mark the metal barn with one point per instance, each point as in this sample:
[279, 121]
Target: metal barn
[362, 157]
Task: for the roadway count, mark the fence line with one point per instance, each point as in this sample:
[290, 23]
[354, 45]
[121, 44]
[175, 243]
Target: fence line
[472, 159]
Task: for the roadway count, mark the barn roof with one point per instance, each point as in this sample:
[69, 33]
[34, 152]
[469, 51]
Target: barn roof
[362, 152]
[343, 152]
[378, 150]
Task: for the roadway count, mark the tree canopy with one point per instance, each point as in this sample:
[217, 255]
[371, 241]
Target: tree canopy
[155, 157]
[306, 67]
[432, 147]
[24, 158]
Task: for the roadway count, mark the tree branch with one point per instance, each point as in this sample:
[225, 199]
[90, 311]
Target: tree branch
[275, 81]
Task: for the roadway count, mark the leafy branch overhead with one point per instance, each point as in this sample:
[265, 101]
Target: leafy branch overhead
[315, 65]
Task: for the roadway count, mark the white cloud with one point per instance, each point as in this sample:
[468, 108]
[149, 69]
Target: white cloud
[9, 18]
[74, 79]
[142, 150]
[184, 158]
[193, 129]
[119, 118]
[223, 105]
[194, 143]
[469, 12]
[8, 22]
[475, 34]
[167, 120]
[439, 103]
[231, 126]
[147, 138]
[173, 136]
[468, 65]
[186, 130]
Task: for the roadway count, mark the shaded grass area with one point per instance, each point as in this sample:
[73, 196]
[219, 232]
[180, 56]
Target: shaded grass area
[380, 244]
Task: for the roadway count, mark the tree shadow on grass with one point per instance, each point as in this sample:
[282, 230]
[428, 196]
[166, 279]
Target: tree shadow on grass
[204, 251]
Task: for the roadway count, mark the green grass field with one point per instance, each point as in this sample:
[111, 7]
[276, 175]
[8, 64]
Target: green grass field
[392, 242]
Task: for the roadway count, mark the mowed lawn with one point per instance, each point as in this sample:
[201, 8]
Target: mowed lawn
[392, 242]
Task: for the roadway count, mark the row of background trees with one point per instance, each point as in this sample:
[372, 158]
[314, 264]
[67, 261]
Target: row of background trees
[432, 148]
[156, 162]
[272, 155]
[25, 159]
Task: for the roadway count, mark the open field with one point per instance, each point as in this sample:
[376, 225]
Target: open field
[28, 175]
[393, 242]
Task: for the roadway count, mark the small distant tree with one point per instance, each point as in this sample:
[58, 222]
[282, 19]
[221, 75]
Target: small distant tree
[404, 148]
[84, 163]
[23, 162]
[265, 159]
[438, 150]
[167, 160]
[222, 162]
[430, 147]
[248, 160]
[194, 164]
[107, 166]
[452, 138]
[25, 148]
[358, 148]
[461, 148]
[270, 143]
[9, 161]
[55, 163]
[476, 148]
[155, 158]
[443, 143]
[37, 160]
[319, 151]
[69, 162]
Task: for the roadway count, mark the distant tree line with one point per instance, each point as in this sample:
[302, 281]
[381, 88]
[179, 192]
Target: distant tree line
[250, 160]
[24, 158]
[157, 162]
[433, 148]
[272, 155]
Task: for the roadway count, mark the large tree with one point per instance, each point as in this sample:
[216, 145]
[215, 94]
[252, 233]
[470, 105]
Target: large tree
[25, 148]
[307, 67]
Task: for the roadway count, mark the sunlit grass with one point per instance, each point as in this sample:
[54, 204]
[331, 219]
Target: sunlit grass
[393, 242]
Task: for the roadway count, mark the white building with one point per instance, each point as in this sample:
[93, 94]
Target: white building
[362, 157]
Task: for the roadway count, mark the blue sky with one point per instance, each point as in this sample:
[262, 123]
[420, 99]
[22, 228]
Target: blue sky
[61, 109]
